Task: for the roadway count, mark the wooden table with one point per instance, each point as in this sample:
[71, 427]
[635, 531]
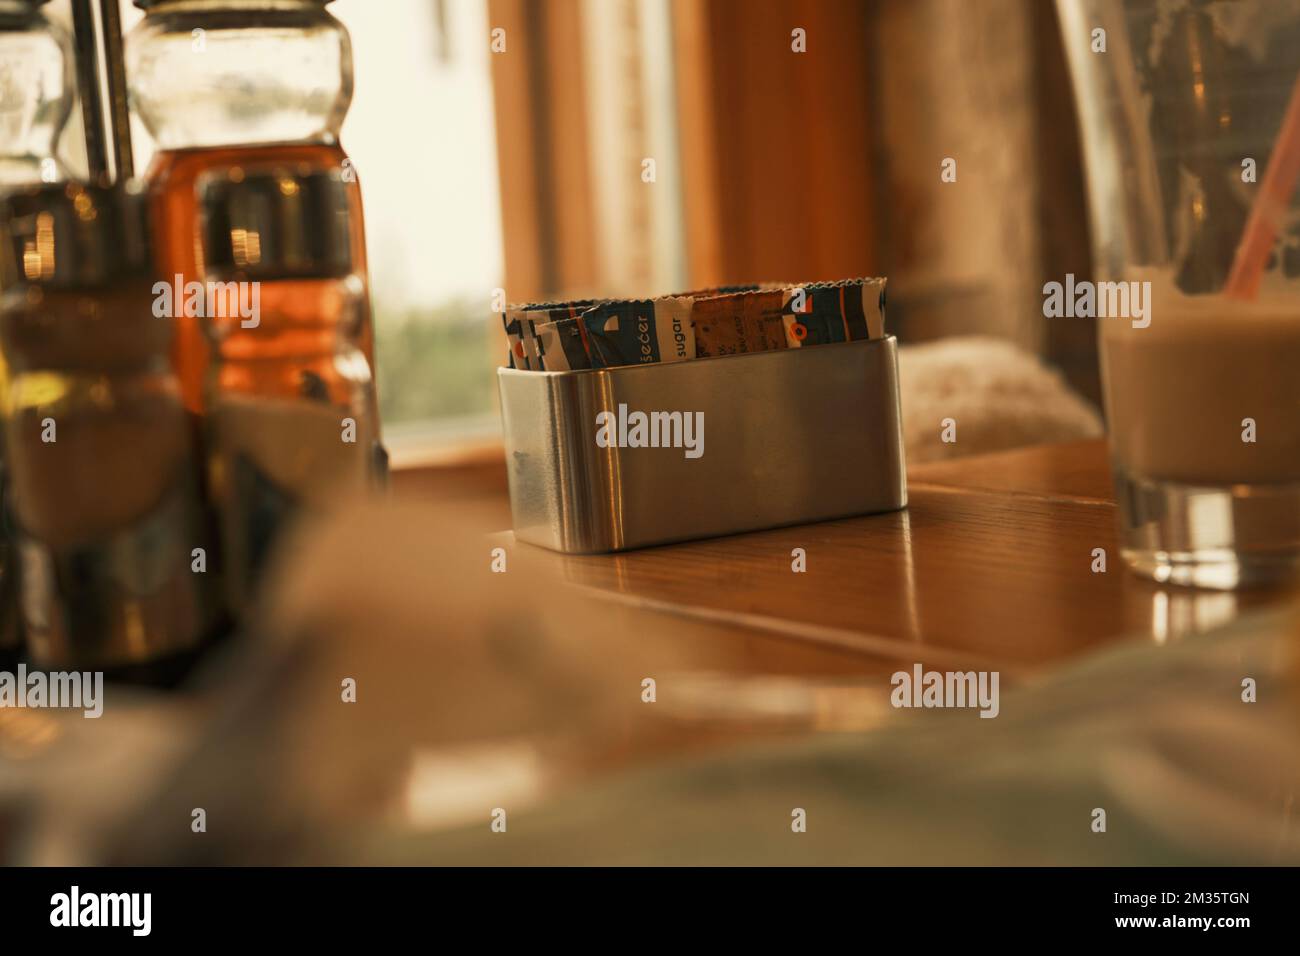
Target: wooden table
[989, 568]
[991, 565]
[524, 686]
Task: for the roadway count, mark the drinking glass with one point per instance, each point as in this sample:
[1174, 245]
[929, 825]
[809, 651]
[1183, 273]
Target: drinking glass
[1190, 115]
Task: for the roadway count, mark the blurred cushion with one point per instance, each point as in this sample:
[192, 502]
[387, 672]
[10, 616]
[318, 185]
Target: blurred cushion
[998, 395]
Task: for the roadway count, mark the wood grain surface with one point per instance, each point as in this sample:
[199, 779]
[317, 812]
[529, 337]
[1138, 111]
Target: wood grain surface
[989, 566]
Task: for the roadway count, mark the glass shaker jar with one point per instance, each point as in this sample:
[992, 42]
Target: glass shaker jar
[35, 99]
[221, 82]
[109, 523]
[35, 93]
[292, 424]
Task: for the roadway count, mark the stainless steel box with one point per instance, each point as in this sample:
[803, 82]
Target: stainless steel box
[790, 436]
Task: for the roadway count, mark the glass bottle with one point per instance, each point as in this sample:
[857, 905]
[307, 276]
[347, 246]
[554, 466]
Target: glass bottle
[35, 99]
[35, 93]
[108, 520]
[292, 423]
[218, 82]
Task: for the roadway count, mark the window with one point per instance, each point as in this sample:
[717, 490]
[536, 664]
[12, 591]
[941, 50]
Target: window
[422, 133]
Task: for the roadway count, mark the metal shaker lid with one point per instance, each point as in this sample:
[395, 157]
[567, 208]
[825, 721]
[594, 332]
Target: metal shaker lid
[275, 222]
[72, 236]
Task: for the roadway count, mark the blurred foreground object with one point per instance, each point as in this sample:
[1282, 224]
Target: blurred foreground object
[476, 691]
[390, 647]
[1161, 739]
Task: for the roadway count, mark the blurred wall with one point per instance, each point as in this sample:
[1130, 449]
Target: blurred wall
[984, 84]
[776, 141]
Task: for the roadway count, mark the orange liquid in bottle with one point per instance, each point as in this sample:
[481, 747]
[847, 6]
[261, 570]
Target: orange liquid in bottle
[172, 177]
[300, 349]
